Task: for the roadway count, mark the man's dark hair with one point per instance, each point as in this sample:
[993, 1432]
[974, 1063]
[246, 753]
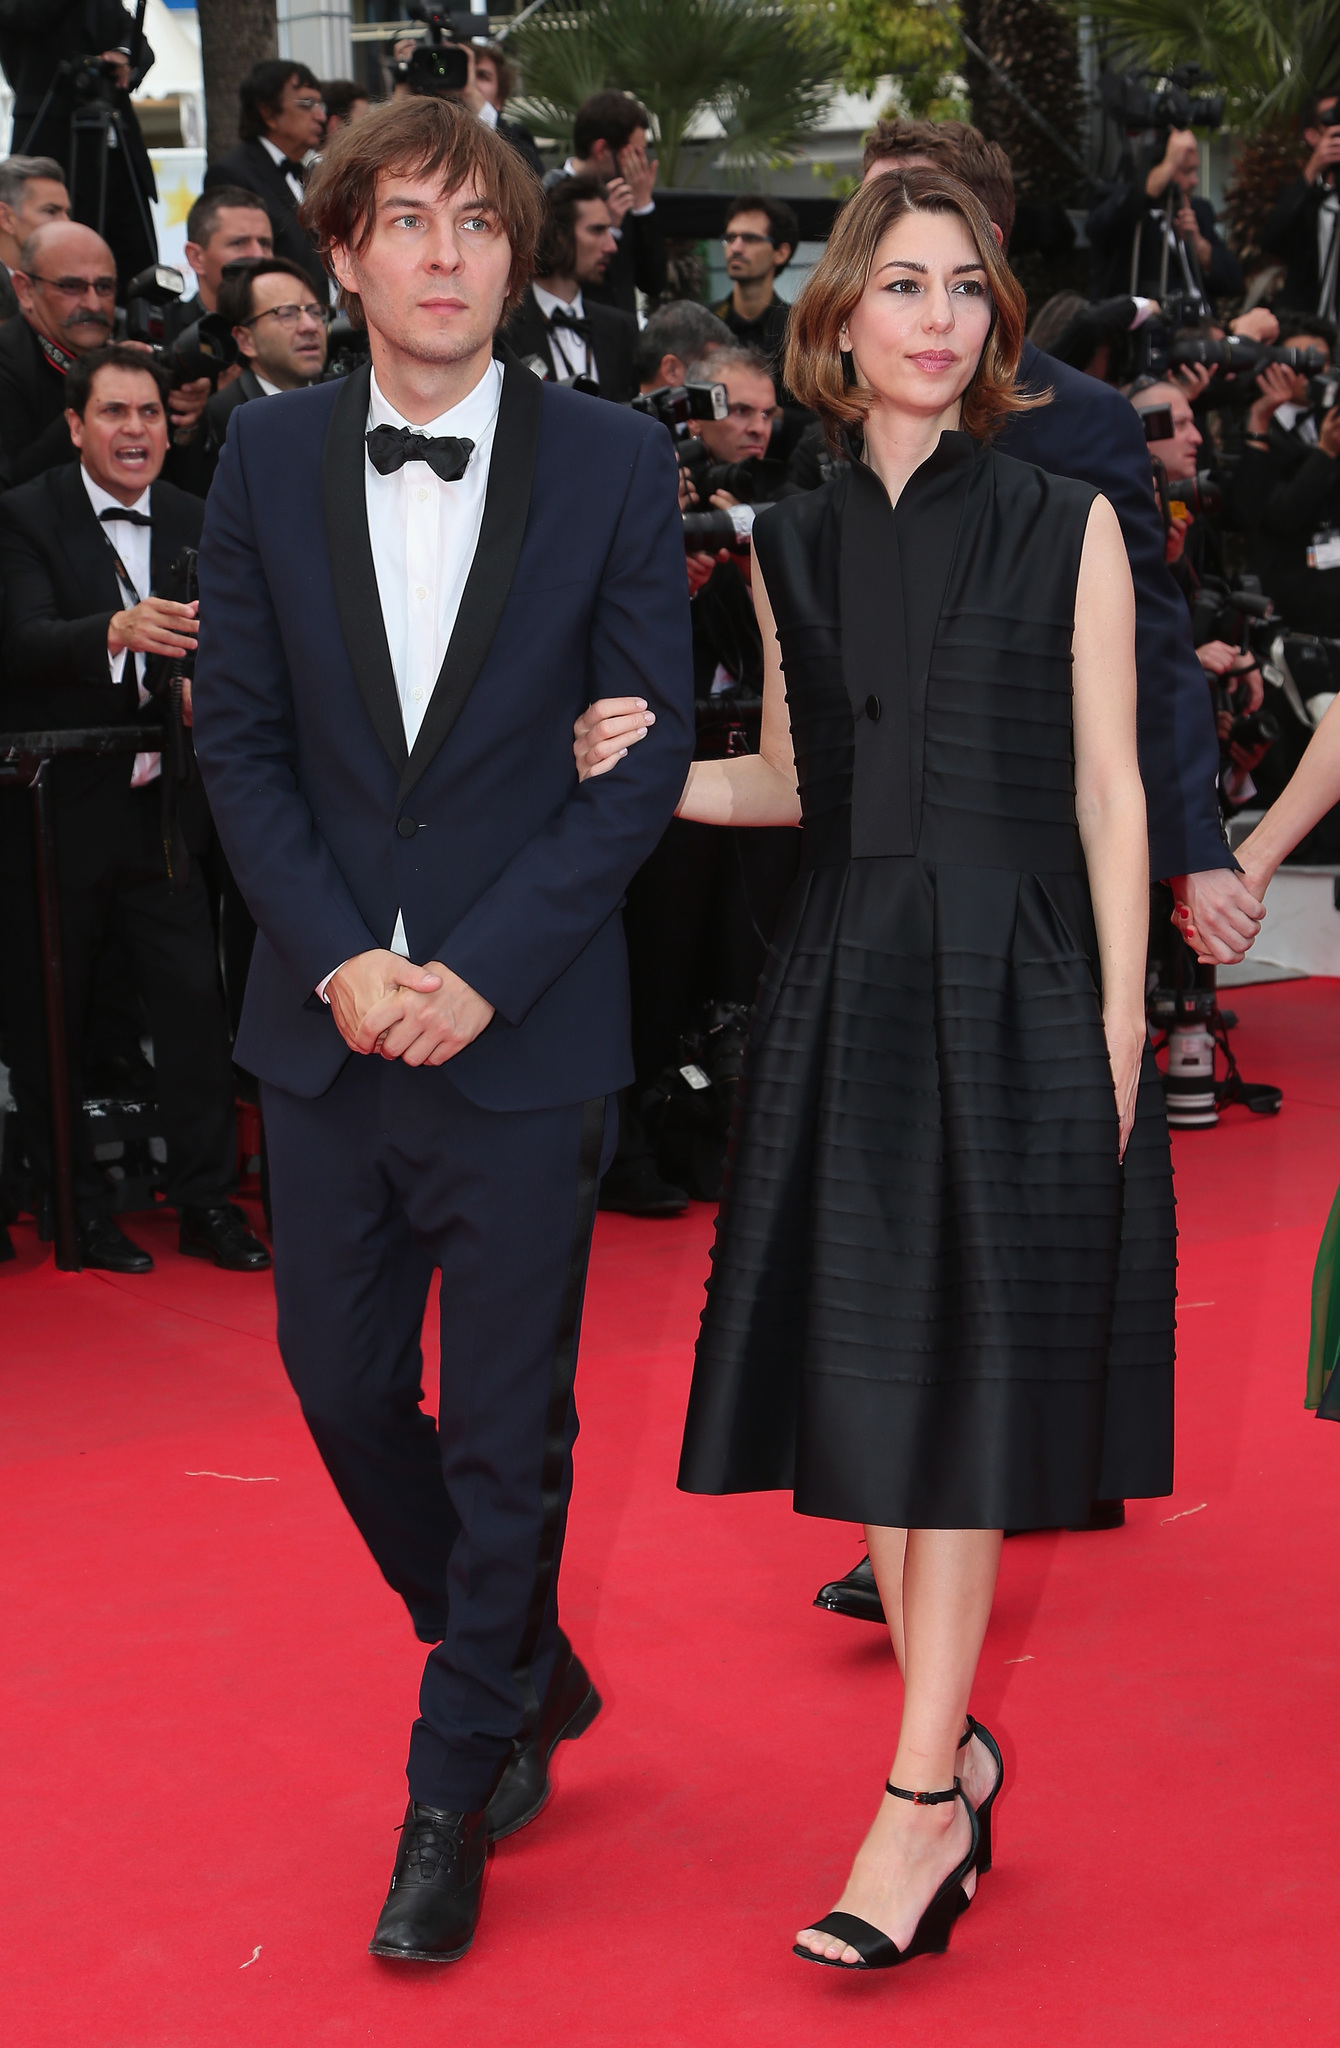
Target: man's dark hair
[203, 218]
[955, 147]
[422, 137]
[684, 329]
[237, 287]
[117, 355]
[610, 117]
[782, 223]
[1294, 323]
[504, 67]
[556, 253]
[339, 95]
[1314, 103]
[263, 87]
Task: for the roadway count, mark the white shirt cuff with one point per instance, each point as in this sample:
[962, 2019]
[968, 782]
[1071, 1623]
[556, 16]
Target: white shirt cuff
[117, 663]
[322, 986]
[641, 212]
[488, 114]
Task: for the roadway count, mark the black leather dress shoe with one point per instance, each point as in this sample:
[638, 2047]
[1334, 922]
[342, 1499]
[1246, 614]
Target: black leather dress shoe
[432, 1908]
[1104, 1514]
[856, 1595]
[634, 1188]
[570, 1706]
[223, 1235]
[104, 1247]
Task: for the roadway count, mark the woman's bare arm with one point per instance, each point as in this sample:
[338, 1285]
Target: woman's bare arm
[1109, 795]
[748, 789]
[1312, 789]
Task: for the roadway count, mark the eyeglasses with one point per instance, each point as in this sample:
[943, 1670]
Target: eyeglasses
[289, 316]
[75, 287]
[308, 104]
[749, 241]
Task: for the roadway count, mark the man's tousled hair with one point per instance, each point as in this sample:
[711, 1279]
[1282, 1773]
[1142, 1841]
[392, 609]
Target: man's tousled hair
[956, 148]
[422, 137]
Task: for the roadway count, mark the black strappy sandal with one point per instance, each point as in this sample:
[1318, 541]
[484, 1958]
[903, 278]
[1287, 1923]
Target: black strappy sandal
[992, 1748]
[933, 1929]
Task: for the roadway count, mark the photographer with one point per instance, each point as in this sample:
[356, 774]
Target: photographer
[226, 225]
[609, 142]
[1303, 227]
[66, 288]
[87, 553]
[32, 192]
[1139, 245]
[1289, 487]
[737, 470]
[282, 120]
[68, 59]
[280, 330]
[448, 64]
[554, 322]
[672, 338]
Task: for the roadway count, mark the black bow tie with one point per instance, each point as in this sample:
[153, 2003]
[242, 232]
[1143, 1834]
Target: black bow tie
[390, 448]
[124, 512]
[560, 318]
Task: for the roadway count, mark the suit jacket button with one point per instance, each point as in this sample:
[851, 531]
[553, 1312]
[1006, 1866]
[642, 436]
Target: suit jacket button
[406, 828]
[873, 707]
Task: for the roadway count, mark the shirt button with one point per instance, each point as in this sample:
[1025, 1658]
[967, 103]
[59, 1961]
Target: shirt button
[421, 495]
[418, 696]
[421, 592]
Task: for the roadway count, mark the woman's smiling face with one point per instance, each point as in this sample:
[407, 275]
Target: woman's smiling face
[920, 326]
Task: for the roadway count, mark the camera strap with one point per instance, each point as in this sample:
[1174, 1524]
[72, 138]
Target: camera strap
[126, 580]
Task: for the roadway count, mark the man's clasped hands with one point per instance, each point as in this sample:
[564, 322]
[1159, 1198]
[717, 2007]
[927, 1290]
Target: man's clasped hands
[383, 1003]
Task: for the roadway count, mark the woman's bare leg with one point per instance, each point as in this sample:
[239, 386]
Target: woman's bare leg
[944, 1592]
[888, 1548]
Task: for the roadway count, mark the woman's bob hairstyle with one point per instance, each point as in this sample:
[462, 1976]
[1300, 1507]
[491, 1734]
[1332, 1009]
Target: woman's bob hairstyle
[819, 371]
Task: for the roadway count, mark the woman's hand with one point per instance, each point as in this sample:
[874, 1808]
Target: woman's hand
[606, 730]
[1125, 1050]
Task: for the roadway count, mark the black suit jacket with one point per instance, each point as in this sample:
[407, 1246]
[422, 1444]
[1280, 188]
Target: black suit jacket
[251, 167]
[613, 341]
[503, 864]
[9, 303]
[1091, 432]
[33, 433]
[36, 37]
[1290, 233]
[60, 592]
[1111, 230]
[640, 263]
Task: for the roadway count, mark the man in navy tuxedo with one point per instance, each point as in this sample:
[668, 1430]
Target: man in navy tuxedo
[416, 579]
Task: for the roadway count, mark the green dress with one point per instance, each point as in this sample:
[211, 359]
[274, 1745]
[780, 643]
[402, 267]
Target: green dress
[1323, 1383]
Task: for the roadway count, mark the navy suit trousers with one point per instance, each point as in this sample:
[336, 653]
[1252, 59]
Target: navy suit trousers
[391, 1173]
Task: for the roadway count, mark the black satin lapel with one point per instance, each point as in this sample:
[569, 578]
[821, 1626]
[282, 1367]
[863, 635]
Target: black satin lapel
[927, 517]
[506, 507]
[874, 665]
[357, 598]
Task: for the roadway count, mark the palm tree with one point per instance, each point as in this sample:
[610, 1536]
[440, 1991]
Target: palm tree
[1267, 55]
[757, 71]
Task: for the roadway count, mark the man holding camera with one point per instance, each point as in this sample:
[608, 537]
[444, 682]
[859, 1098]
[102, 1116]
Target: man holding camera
[32, 193]
[555, 322]
[610, 144]
[1289, 487]
[87, 555]
[67, 61]
[1161, 235]
[281, 121]
[1303, 228]
[226, 225]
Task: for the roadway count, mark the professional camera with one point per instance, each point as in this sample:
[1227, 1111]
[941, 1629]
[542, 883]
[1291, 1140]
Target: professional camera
[1304, 666]
[152, 314]
[1176, 99]
[720, 527]
[93, 81]
[674, 405]
[439, 64]
[1165, 343]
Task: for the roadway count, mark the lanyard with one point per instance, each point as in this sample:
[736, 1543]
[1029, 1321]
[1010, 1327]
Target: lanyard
[124, 574]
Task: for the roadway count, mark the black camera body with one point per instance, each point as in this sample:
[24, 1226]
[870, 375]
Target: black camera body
[1163, 344]
[439, 64]
[674, 405]
[153, 314]
[1175, 99]
[93, 81]
[1245, 619]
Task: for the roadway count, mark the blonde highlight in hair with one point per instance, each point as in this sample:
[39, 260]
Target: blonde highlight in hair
[818, 370]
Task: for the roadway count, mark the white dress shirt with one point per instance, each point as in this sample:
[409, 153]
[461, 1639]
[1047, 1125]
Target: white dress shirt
[133, 545]
[572, 353]
[424, 534]
[285, 164]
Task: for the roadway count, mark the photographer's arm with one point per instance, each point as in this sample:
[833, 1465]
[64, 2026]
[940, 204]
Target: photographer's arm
[246, 744]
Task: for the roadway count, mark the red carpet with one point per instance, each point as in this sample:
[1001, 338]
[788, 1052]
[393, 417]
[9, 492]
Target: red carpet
[206, 1688]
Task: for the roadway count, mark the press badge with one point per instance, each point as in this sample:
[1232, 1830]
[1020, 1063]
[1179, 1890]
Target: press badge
[1324, 549]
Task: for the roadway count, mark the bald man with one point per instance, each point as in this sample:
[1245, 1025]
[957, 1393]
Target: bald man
[66, 289]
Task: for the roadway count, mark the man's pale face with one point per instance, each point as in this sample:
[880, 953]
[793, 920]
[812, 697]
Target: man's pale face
[122, 438]
[70, 294]
[297, 123]
[44, 199]
[594, 242]
[288, 352]
[750, 254]
[744, 434]
[434, 275]
[1177, 455]
[240, 233]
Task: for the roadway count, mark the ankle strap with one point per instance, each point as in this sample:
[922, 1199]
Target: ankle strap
[924, 1798]
[966, 1737]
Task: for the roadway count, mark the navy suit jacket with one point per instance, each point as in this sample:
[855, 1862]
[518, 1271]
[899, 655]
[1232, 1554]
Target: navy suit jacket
[1091, 432]
[506, 867]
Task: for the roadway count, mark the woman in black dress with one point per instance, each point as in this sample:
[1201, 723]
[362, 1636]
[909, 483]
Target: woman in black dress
[940, 1304]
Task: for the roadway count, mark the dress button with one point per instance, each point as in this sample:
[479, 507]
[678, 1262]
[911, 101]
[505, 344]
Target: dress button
[873, 707]
[406, 828]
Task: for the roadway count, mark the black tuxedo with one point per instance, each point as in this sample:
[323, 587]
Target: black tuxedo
[36, 37]
[1290, 233]
[251, 167]
[613, 341]
[511, 872]
[60, 592]
[33, 433]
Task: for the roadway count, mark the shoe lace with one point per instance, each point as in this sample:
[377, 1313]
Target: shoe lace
[431, 1839]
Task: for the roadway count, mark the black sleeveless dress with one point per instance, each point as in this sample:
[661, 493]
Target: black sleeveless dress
[937, 1300]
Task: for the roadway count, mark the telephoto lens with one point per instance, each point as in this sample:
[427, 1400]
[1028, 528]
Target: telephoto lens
[720, 527]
